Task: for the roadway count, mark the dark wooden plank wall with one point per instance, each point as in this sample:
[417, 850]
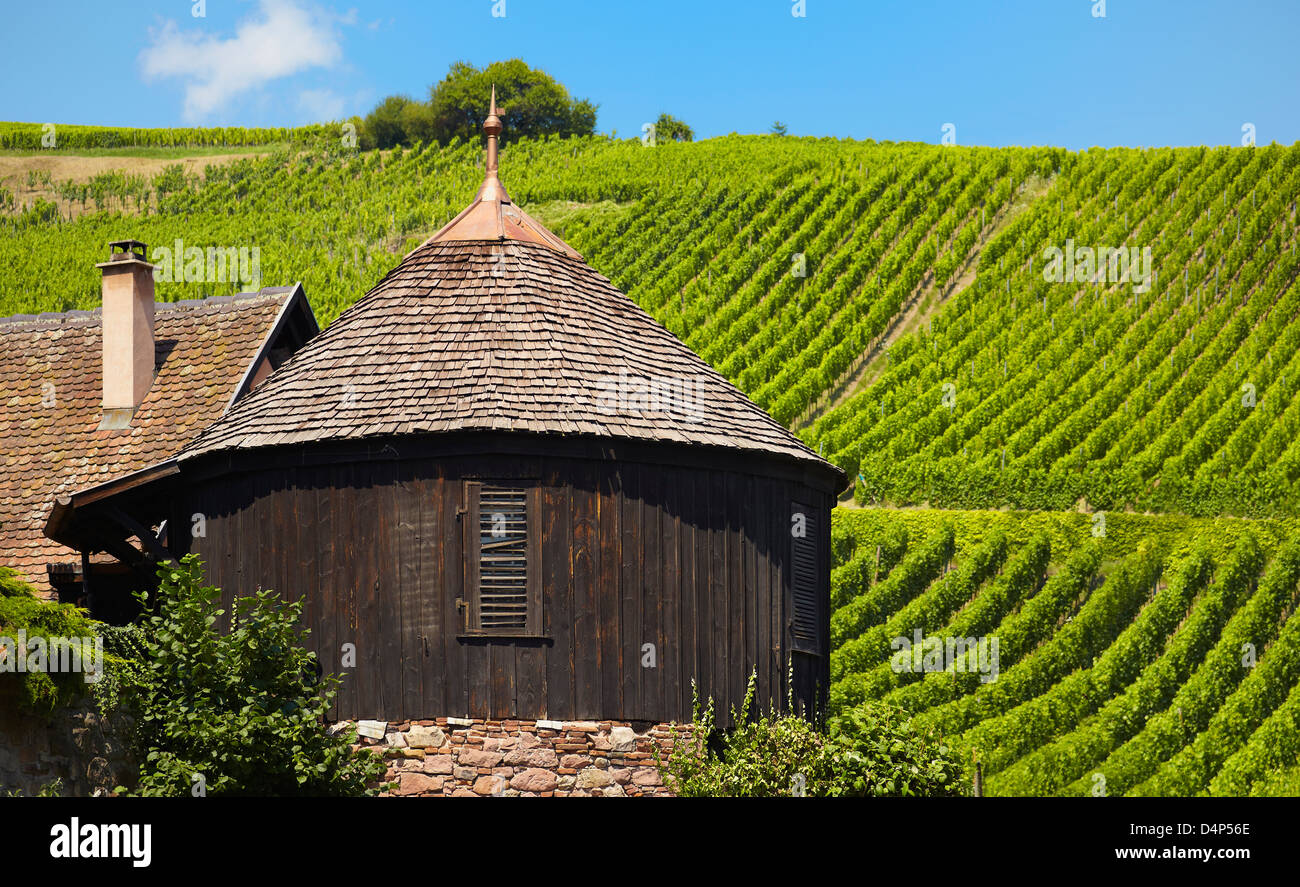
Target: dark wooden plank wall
[694, 562]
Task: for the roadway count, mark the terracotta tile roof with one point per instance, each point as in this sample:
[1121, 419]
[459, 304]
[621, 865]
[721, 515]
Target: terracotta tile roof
[50, 405]
[505, 335]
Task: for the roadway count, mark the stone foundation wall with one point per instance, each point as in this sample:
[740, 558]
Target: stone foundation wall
[88, 753]
[463, 757]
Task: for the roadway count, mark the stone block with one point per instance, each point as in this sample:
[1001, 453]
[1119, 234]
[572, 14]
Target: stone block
[440, 764]
[622, 739]
[425, 737]
[475, 757]
[647, 776]
[534, 780]
[490, 785]
[592, 778]
[532, 757]
[419, 783]
[372, 729]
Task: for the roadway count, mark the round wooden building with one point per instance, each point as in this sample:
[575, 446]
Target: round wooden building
[504, 491]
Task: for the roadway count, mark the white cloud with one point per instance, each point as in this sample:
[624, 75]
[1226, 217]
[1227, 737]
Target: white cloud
[280, 39]
[321, 105]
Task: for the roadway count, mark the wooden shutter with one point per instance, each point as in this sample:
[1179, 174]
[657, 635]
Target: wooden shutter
[503, 574]
[804, 578]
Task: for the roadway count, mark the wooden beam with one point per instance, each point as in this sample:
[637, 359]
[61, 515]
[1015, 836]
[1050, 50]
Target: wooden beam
[141, 532]
[130, 556]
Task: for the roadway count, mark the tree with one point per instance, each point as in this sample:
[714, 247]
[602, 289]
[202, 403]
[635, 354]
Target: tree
[385, 126]
[778, 128]
[669, 127]
[530, 103]
[418, 124]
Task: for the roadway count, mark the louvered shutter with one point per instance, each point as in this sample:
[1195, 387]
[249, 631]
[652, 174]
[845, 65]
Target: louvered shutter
[503, 581]
[804, 578]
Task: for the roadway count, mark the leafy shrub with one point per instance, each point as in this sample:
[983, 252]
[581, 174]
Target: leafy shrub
[171, 179]
[243, 712]
[126, 652]
[1282, 784]
[878, 752]
[869, 751]
[22, 611]
[52, 789]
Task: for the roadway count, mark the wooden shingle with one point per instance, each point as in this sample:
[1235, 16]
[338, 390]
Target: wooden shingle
[503, 336]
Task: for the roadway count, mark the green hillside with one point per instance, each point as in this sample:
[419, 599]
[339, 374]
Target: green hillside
[1179, 398]
[1161, 658]
[786, 263]
[1125, 447]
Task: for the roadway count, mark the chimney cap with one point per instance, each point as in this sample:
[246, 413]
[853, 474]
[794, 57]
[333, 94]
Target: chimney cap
[129, 246]
[123, 252]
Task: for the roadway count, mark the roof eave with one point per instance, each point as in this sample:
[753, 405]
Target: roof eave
[297, 301]
[62, 524]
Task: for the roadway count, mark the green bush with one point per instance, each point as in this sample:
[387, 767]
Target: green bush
[22, 611]
[126, 652]
[1283, 784]
[869, 751]
[240, 713]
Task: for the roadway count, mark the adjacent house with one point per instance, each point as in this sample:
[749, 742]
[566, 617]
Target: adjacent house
[90, 396]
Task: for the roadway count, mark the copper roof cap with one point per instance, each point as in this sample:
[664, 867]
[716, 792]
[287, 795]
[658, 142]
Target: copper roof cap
[492, 215]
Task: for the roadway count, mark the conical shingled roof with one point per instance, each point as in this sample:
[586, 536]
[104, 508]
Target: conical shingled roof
[498, 333]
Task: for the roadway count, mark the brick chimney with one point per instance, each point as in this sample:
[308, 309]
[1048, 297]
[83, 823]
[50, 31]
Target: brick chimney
[128, 351]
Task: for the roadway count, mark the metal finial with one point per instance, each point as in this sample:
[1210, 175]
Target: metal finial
[492, 126]
[493, 216]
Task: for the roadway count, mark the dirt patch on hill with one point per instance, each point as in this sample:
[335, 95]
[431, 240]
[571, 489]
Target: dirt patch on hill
[15, 170]
[64, 168]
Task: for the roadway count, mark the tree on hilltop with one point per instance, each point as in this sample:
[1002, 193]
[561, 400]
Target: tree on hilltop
[669, 127]
[530, 103]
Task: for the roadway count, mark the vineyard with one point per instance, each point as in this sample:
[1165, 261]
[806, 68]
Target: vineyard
[1038, 394]
[63, 137]
[788, 263]
[1099, 349]
[1160, 657]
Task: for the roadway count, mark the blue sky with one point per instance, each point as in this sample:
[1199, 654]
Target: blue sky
[1053, 72]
